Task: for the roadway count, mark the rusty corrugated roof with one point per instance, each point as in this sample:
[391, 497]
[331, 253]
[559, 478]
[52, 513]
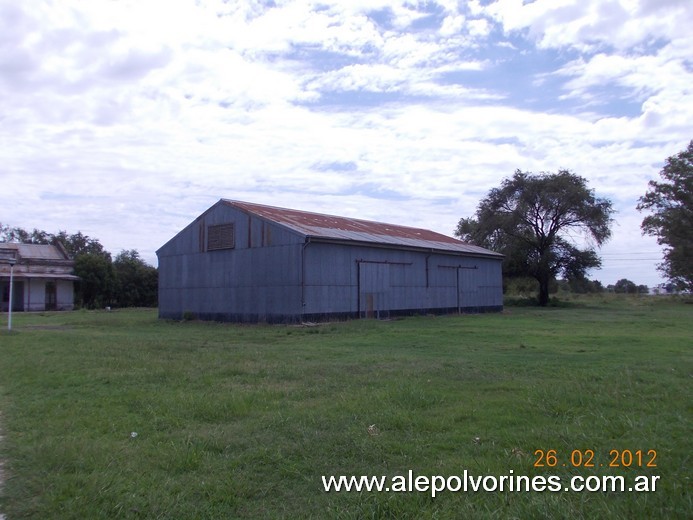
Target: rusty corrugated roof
[323, 226]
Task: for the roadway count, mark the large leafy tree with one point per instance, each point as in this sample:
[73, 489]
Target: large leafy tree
[137, 281]
[79, 244]
[532, 219]
[671, 221]
[97, 282]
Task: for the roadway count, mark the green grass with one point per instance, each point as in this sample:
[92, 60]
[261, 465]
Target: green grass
[241, 421]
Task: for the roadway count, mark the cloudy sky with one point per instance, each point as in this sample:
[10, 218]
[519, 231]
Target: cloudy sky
[127, 119]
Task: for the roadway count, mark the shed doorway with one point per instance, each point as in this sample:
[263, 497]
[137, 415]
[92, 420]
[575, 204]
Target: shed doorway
[374, 289]
[467, 289]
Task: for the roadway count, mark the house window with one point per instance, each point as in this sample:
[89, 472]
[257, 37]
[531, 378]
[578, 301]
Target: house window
[220, 236]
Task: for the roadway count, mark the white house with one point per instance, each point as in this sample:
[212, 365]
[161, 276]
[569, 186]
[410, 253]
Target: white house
[43, 277]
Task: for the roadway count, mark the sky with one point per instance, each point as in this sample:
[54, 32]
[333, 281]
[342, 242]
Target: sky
[125, 120]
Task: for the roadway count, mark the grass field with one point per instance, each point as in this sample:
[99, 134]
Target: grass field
[242, 421]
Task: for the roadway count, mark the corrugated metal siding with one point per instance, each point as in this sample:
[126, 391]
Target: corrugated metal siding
[232, 281]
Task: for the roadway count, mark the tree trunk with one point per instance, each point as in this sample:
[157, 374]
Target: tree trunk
[543, 292]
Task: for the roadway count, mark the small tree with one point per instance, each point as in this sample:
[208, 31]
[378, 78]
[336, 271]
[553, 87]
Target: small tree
[625, 286]
[530, 219]
[671, 202]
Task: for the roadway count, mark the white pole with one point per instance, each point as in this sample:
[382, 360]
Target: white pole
[9, 308]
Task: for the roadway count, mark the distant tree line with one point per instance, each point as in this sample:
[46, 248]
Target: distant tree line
[585, 286]
[526, 285]
[125, 281]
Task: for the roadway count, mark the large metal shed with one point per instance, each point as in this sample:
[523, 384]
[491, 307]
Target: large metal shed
[247, 262]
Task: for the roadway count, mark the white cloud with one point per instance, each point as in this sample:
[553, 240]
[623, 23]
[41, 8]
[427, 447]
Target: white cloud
[594, 24]
[632, 72]
[452, 24]
[479, 27]
[127, 119]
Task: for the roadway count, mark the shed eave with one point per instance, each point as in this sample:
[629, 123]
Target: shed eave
[403, 247]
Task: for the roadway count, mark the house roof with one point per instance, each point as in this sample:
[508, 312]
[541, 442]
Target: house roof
[36, 261]
[32, 251]
[334, 228]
